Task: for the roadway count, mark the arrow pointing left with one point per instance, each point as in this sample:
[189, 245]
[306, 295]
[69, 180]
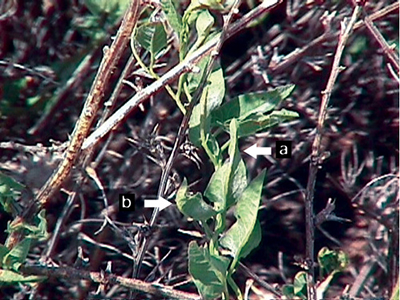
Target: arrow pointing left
[254, 151]
[161, 203]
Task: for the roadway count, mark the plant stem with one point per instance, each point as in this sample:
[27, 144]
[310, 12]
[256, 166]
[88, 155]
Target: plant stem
[316, 160]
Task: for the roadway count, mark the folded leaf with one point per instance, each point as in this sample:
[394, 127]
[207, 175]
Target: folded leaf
[193, 206]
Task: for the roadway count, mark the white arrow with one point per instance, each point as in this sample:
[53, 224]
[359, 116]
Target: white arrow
[254, 150]
[161, 203]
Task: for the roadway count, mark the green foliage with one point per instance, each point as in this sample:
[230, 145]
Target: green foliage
[213, 265]
[153, 38]
[253, 111]
[11, 277]
[193, 206]
[330, 263]
[113, 9]
[208, 271]
[10, 190]
[242, 230]
[173, 18]
[12, 259]
[228, 187]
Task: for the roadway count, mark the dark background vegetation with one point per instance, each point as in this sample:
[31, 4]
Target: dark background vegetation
[41, 43]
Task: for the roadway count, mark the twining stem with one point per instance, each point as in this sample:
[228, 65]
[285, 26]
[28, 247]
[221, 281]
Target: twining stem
[150, 71]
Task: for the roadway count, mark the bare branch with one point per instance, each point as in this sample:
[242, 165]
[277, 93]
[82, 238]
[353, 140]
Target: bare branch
[315, 161]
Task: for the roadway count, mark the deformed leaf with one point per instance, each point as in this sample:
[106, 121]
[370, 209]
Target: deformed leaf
[244, 105]
[193, 206]
[246, 211]
[204, 23]
[37, 232]
[208, 271]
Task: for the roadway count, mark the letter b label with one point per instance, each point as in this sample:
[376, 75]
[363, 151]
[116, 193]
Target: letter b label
[127, 202]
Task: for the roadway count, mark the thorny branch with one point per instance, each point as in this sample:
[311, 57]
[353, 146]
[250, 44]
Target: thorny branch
[104, 279]
[108, 63]
[316, 156]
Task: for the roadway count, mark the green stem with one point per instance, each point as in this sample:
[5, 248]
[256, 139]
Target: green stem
[155, 76]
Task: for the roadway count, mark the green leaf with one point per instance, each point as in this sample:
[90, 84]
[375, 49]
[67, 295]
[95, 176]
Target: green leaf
[189, 17]
[204, 23]
[208, 271]
[3, 251]
[216, 190]
[10, 277]
[213, 96]
[246, 212]
[227, 182]
[17, 255]
[258, 122]
[10, 190]
[113, 8]
[193, 79]
[173, 18]
[215, 89]
[152, 37]
[245, 105]
[253, 242]
[288, 291]
[237, 181]
[193, 206]
[300, 284]
[37, 232]
[331, 261]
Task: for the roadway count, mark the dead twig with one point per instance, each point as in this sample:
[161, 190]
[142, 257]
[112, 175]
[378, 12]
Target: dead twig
[389, 51]
[316, 158]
